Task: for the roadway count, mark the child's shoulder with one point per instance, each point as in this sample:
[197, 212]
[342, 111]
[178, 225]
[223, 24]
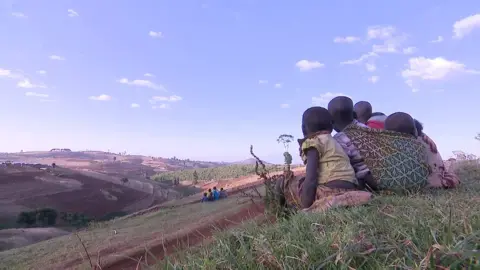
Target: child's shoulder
[318, 141]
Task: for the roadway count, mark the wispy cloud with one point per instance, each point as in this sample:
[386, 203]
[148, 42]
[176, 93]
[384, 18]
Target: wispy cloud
[284, 106]
[278, 85]
[370, 67]
[173, 98]
[262, 81]
[373, 79]
[72, 13]
[57, 57]
[141, 83]
[148, 75]
[306, 65]
[19, 15]
[324, 98]
[410, 50]
[25, 83]
[134, 106]
[347, 39]
[34, 94]
[41, 72]
[154, 34]
[161, 106]
[102, 97]
[361, 59]
[466, 25]
[10, 74]
[437, 40]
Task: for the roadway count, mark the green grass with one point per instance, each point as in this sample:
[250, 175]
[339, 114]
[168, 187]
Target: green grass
[421, 231]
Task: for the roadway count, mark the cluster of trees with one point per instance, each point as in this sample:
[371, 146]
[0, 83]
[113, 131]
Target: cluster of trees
[38, 218]
[207, 174]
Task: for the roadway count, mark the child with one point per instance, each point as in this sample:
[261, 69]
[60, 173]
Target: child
[216, 195]
[210, 195]
[330, 179]
[342, 111]
[205, 197]
[223, 193]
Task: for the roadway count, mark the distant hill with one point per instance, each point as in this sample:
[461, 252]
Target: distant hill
[249, 162]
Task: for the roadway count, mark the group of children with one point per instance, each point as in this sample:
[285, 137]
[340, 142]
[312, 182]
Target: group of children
[213, 195]
[370, 151]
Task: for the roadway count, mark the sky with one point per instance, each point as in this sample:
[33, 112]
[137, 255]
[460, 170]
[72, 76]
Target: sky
[205, 79]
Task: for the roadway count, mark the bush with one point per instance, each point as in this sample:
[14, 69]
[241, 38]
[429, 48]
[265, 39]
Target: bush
[112, 215]
[41, 217]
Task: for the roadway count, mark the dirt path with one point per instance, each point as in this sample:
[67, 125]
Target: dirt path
[194, 237]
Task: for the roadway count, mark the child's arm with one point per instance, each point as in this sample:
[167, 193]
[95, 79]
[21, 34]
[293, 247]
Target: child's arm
[309, 187]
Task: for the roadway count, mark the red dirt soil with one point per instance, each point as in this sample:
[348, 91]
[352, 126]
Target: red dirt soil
[88, 200]
[194, 237]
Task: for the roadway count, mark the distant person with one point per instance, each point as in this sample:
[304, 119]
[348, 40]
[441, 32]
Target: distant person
[216, 194]
[363, 111]
[205, 197]
[210, 194]
[223, 193]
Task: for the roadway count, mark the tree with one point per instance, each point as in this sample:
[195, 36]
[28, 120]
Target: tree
[478, 136]
[195, 177]
[286, 139]
[114, 158]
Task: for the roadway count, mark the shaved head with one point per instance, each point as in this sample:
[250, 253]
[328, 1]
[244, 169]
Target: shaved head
[401, 122]
[341, 109]
[363, 109]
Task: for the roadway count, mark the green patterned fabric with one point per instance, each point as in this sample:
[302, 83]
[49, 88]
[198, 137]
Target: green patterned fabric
[396, 160]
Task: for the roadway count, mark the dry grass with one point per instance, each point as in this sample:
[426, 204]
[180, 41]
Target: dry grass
[431, 230]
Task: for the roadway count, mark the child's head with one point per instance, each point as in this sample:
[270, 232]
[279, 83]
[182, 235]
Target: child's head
[214, 188]
[341, 109]
[419, 127]
[205, 194]
[401, 122]
[363, 109]
[316, 119]
[221, 189]
[209, 190]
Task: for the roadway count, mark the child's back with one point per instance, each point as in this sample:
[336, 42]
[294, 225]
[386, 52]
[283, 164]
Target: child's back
[334, 164]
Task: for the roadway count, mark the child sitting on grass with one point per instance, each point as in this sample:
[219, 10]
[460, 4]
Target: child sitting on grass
[330, 178]
[205, 197]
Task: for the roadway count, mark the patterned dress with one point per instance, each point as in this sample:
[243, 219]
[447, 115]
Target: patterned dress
[396, 160]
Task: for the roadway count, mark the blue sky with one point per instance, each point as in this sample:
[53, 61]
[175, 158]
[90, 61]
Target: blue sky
[211, 77]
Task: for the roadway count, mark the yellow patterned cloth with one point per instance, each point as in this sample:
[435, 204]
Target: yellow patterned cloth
[333, 163]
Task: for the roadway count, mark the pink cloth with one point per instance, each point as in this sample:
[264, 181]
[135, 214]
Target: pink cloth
[377, 122]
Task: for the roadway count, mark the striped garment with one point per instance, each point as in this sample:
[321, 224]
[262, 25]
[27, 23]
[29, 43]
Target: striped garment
[356, 160]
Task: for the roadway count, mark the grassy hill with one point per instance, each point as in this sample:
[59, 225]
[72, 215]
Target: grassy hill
[431, 230]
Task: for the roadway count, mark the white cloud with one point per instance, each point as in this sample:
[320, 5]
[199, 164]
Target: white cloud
[33, 94]
[173, 98]
[437, 40]
[72, 13]
[161, 106]
[19, 15]
[262, 81]
[56, 57]
[155, 34]
[359, 60]
[306, 65]
[285, 106]
[466, 25]
[25, 83]
[323, 99]
[47, 100]
[41, 72]
[373, 79]
[380, 32]
[135, 105]
[141, 83]
[10, 74]
[148, 75]
[102, 97]
[370, 67]
[347, 39]
[278, 85]
[433, 68]
[410, 50]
